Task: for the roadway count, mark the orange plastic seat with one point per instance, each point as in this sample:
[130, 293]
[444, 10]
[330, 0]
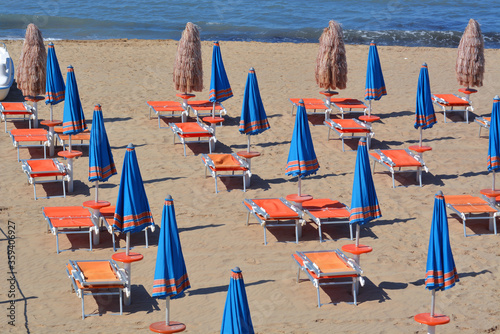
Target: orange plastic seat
[327, 211]
[275, 212]
[312, 104]
[39, 136]
[398, 161]
[450, 103]
[70, 220]
[97, 277]
[205, 107]
[15, 109]
[469, 207]
[185, 131]
[325, 268]
[219, 163]
[38, 170]
[164, 109]
[349, 105]
[344, 127]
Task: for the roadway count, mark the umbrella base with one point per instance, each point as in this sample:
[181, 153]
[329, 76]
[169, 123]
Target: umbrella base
[162, 327]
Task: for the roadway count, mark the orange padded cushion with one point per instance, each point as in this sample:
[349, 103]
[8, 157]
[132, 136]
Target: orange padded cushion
[204, 105]
[14, 108]
[348, 103]
[276, 209]
[468, 204]
[71, 222]
[98, 271]
[192, 129]
[401, 158]
[225, 162]
[66, 211]
[348, 126]
[326, 208]
[328, 262]
[451, 100]
[45, 165]
[311, 103]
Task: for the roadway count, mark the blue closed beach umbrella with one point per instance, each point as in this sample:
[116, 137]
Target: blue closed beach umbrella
[101, 163]
[220, 89]
[54, 85]
[364, 202]
[375, 85]
[236, 318]
[441, 273]
[73, 117]
[302, 159]
[494, 139]
[132, 212]
[424, 112]
[253, 115]
[171, 278]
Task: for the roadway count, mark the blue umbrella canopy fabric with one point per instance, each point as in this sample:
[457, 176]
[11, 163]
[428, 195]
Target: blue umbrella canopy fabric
[73, 117]
[302, 159]
[220, 89]
[441, 273]
[101, 163]
[132, 213]
[424, 112]
[375, 85]
[236, 318]
[171, 278]
[494, 137]
[54, 85]
[364, 202]
[253, 115]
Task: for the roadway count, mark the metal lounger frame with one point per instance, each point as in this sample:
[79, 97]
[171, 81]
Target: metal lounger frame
[390, 165]
[349, 109]
[354, 135]
[437, 100]
[321, 221]
[18, 145]
[209, 165]
[470, 216]
[184, 114]
[178, 132]
[483, 123]
[29, 110]
[31, 180]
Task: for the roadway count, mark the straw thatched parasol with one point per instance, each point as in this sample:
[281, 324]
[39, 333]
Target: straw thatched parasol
[470, 60]
[331, 64]
[188, 67]
[31, 70]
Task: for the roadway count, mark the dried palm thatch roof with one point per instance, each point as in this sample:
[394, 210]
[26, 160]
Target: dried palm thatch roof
[331, 64]
[31, 70]
[470, 60]
[188, 67]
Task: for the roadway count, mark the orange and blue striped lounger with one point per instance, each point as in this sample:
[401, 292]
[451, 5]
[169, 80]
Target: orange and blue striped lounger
[349, 105]
[38, 169]
[186, 131]
[70, 220]
[469, 207]
[452, 103]
[221, 164]
[164, 109]
[349, 129]
[327, 211]
[97, 278]
[275, 212]
[205, 107]
[108, 213]
[398, 161]
[484, 122]
[314, 105]
[21, 136]
[330, 267]
[13, 111]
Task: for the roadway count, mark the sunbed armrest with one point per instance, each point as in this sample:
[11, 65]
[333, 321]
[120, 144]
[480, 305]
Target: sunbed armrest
[257, 209]
[439, 100]
[208, 161]
[385, 158]
[293, 207]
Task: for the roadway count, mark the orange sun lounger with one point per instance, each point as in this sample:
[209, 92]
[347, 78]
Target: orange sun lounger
[312, 104]
[80, 139]
[13, 111]
[39, 169]
[349, 105]
[164, 109]
[70, 220]
[469, 207]
[275, 212]
[108, 213]
[452, 103]
[484, 122]
[330, 267]
[22, 136]
[205, 107]
[349, 129]
[398, 161]
[327, 211]
[97, 278]
[221, 164]
[186, 131]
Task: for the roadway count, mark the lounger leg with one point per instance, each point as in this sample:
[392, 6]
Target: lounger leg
[265, 237]
[393, 182]
[18, 153]
[90, 240]
[83, 306]
[184, 148]
[298, 275]
[480, 126]
[216, 190]
[297, 232]
[57, 242]
[329, 129]
[64, 188]
[317, 291]
[354, 290]
[248, 218]
[34, 188]
[121, 301]
[343, 148]
[463, 221]
[320, 233]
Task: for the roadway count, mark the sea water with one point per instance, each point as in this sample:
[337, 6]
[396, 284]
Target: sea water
[388, 22]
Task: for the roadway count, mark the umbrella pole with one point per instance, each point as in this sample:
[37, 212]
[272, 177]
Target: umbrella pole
[357, 235]
[248, 143]
[369, 108]
[97, 190]
[213, 110]
[433, 302]
[127, 243]
[493, 184]
[300, 186]
[51, 118]
[420, 142]
[70, 143]
[167, 311]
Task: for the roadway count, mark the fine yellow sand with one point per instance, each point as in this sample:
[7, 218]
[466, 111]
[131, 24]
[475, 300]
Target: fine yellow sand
[122, 75]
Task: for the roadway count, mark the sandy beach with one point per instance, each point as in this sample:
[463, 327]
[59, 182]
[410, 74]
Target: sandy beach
[122, 75]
